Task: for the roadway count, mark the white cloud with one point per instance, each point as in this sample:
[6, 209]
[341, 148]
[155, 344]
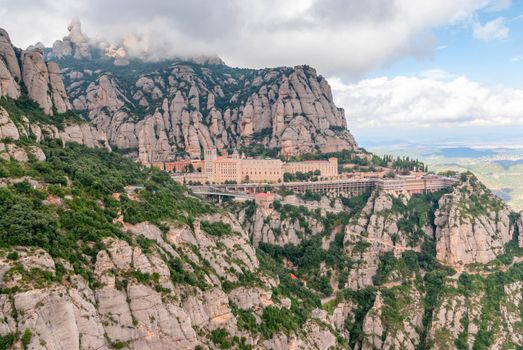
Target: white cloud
[437, 74]
[430, 99]
[349, 36]
[491, 30]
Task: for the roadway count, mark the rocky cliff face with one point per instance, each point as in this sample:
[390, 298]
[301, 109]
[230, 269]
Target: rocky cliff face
[44, 83]
[19, 119]
[24, 128]
[281, 227]
[141, 316]
[10, 74]
[176, 110]
[375, 231]
[41, 79]
[75, 44]
[463, 319]
[472, 225]
[380, 333]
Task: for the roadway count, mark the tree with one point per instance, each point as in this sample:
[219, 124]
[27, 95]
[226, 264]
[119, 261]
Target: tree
[390, 174]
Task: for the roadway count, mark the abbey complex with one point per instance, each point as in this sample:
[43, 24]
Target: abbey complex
[236, 169]
[253, 174]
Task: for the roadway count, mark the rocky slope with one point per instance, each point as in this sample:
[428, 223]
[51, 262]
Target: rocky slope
[75, 44]
[18, 127]
[283, 226]
[122, 262]
[10, 73]
[472, 226]
[384, 259]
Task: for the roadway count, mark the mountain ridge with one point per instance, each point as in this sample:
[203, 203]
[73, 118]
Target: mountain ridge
[168, 110]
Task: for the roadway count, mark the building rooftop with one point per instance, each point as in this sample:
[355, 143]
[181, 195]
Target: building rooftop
[268, 194]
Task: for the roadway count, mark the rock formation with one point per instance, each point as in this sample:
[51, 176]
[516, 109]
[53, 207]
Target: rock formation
[179, 110]
[138, 314]
[459, 318]
[172, 109]
[75, 44]
[8, 129]
[10, 74]
[472, 225]
[519, 227]
[83, 133]
[376, 231]
[44, 82]
[381, 334]
[58, 94]
[45, 86]
[42, 79]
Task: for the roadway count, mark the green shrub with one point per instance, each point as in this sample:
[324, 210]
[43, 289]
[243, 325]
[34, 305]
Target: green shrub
[12, 255]
[26, 338]
[218, 229]
[119, 345]
[6, 341]
[221, 338]
[246, 321]
[277, 320]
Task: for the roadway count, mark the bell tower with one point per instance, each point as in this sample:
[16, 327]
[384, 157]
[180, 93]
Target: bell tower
[209, 157]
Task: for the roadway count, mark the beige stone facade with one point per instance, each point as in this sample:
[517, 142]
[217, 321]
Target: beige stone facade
[415, 184]
[228, 169]
[261, 170]
[222, 169]
[327, 168]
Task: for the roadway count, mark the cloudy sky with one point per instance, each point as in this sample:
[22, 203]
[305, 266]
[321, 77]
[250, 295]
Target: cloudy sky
[401, 64]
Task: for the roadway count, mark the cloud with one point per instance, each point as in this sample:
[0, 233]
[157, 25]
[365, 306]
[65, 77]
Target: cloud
[349, 36]
[437, 74]
[432, 98]
[498, 5]
[491, 30]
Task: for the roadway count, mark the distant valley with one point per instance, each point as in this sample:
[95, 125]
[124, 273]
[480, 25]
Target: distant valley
[499, 165]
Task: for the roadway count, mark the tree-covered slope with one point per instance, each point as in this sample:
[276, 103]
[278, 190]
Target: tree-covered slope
[96, 252]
